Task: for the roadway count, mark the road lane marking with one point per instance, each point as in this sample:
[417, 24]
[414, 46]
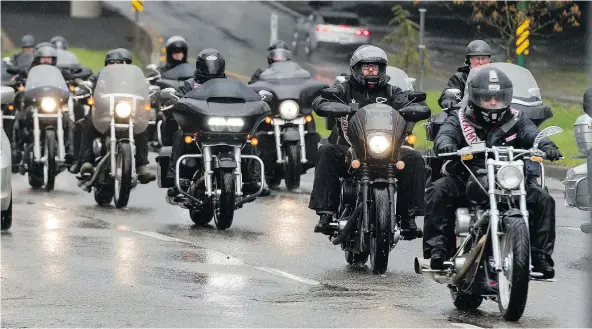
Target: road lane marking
[465, 325]
[270, 270]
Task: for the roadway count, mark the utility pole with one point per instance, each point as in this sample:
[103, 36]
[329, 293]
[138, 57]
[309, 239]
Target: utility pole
[522, 34]
[421, 45]
[273, 36]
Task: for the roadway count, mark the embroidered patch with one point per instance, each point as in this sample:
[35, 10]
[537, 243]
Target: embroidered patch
[468, 130]
[344, 126]
[511, 137]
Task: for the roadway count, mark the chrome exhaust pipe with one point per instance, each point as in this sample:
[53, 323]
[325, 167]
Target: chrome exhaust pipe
[422, 266]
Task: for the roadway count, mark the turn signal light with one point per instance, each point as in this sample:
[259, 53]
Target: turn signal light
[71, 88]
[21, 89]
[308, 118]
[268, 120]
[536, 159]
[147, 107]
[10, 107]
[188, 139]
[467, 157]
[411, 139]
[90, 101]
[400, 165]
[254, 141]
[355, 164]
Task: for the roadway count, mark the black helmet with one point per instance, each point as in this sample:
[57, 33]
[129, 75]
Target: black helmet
[477, 48]
[490, 83]
[45, 51]
[278, 45]
[176, 44]
[209, 64]
[28, 41]
[588, 101]
[127, 55]
[59, 42]
[114, 56]
[45, 44]
[371, 55]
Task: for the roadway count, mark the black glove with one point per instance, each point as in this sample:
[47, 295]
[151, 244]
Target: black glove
[449, 103]
[448, 148]
[552, 153]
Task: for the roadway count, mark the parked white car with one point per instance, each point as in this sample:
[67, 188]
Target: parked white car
[6, 166]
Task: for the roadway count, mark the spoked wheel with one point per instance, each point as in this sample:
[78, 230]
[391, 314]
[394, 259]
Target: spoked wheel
[514, 278]
[49, 166]
[224, 214]
[380, 215]
[293, 167]
[123, 177]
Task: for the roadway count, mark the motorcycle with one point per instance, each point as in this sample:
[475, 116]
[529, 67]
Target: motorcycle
[162, 123]
[121, 110]
[577, 186]
[366, 224]
[46, 96]
[288, 142]
[492, 233]
[527, 98]
[219, 118]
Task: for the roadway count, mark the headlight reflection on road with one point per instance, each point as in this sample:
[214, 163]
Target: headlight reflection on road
[53, 243]
[289, 230]
[225, 290]
[51, 222]
[126, 252]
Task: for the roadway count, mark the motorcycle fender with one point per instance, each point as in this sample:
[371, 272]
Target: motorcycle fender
[224, 161]
[290, 134]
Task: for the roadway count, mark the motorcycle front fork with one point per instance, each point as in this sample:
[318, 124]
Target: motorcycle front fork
[37, 135]
[277, 132]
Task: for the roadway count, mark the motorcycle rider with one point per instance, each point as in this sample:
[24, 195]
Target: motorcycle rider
[89, 133]
[59, 42]
[277, 52]
[366, 84]
[28, 46]
[487, 117]
[176, 53]
[209, 65]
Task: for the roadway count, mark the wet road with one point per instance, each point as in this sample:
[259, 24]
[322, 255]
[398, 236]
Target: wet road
[68, 262]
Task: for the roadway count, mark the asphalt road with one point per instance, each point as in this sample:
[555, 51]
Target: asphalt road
[67, 262]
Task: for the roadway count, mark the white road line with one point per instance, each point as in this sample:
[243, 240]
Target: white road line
[571, 228]
[242, 262]
[465, 325]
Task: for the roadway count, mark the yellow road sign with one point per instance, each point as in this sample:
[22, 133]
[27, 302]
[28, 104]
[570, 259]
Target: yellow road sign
[137, 5]
[522, 34]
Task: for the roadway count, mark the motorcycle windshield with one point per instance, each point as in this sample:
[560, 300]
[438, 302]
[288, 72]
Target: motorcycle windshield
[375, 119]
[284, 70]
[180, 72]
[224, 88]
[66, 59]
[121, 83]
[45, 76]
[399, 78]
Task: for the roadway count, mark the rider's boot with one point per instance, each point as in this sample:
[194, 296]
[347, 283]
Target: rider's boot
[323, 226]
[543, 264]
[144, 175]
[409, 229]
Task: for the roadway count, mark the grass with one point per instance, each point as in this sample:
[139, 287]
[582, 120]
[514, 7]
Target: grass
[93, 59]
[564, 115]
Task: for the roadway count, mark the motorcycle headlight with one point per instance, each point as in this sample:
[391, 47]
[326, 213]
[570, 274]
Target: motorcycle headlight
[234, 124]
[123, 109]
[379, 145]
[217, 124]
[48, 104]
[289, 110]
[509, 177]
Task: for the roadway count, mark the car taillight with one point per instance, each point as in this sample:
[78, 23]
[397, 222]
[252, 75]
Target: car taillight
[322, 28]
[363, 32]
[344, 26]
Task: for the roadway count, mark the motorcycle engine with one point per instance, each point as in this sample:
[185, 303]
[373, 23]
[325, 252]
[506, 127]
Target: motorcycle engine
[349, 192]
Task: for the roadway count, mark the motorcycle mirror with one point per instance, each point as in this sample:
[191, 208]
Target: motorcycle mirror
[7, 95]
[168, 93]
[154, 88]
[151, 67]
[452, 92]
[330, 92]
[417, 96]
[265, 95]
[339, 79]
[549, 131]
[415, 112]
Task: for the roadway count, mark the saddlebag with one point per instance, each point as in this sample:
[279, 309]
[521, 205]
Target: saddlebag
[162, 160]
[434, 124]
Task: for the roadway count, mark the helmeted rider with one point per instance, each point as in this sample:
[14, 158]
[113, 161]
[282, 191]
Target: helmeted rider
[28, 46]
[89, 133]
[176, 53]
[488, 117]
[366, 84]
[276, 52]
[59, 42]
[209, 65]
[477, 53]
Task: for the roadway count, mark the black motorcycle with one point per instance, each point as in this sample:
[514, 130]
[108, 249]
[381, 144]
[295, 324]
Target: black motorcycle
[288, 142]
[366, 223]
[219, 119]
[162, 123]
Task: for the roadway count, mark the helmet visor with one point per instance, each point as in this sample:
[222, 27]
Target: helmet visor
[491, 99]
[280, 55]
[213, 67]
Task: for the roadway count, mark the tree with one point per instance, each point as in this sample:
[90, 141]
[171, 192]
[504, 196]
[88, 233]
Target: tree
[406, 37]
[546, 17]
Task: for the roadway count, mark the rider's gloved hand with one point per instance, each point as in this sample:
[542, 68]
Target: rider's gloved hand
[448, 148]
[449, 103]
[552, 153]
